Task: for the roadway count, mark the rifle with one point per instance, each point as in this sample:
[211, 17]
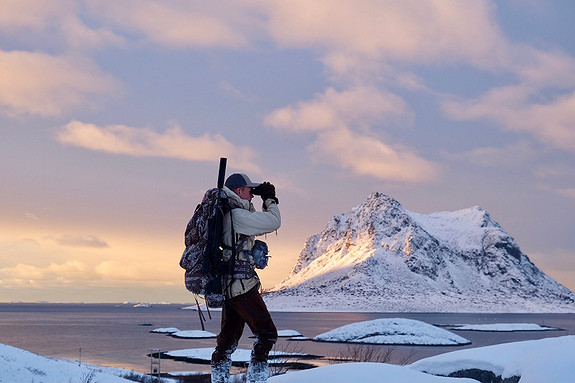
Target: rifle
[222, 172]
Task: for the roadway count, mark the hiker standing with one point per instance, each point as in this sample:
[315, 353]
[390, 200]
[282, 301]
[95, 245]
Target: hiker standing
[243, 303]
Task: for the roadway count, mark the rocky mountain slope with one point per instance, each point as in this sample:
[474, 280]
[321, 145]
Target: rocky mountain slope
[381, 257]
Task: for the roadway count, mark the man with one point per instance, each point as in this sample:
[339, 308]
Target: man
[243, 302]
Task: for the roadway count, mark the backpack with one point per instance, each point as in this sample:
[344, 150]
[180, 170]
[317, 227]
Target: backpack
[202, 257]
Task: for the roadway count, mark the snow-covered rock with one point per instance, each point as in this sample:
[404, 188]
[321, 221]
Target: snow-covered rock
[239, 356]
[288, 333]
[193, 334]
[502, 327]
[392, 331]
[535, 361]
[381, 257]
[165, 330]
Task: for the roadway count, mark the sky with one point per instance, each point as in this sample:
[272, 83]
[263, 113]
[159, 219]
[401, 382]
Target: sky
[113, 117]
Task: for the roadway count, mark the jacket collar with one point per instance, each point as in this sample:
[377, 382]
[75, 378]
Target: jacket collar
[236, 200]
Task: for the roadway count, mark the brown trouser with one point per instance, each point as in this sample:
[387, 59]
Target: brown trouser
[237, 311]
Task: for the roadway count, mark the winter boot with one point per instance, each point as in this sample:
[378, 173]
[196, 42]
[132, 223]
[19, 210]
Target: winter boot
[258, 372]
[221, 371]
[221, 363]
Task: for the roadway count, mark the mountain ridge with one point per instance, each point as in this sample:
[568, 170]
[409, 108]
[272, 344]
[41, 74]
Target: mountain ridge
[381, 257]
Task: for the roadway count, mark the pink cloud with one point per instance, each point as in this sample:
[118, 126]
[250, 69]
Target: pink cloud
[173, 143]
[41, 84]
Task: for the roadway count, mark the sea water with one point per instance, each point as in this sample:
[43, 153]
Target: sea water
[118, 335]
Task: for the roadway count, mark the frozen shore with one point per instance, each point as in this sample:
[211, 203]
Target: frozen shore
[549, 360]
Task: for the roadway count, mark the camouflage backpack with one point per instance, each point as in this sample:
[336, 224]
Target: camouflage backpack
[202, 257]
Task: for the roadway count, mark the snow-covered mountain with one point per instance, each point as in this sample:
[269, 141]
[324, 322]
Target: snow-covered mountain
[381, 257]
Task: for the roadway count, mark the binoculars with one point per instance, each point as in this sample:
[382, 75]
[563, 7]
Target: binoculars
[257, 190]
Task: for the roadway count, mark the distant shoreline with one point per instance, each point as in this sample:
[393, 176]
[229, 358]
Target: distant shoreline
[192, 307]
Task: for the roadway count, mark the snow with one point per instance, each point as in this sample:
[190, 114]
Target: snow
[186, 373]
[288, 333]
[198, 334]
[502, 327]
[165, 330]
[193, 334]
[364, 373]
[549, 360]
[392, 331]
[300, 338]
[241, 355]
[17, 365]
[463, 228]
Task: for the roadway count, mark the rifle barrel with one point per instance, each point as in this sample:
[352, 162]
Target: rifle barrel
[222, 172]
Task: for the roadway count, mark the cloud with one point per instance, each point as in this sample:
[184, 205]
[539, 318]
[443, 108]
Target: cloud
[362, 31]
[90, 241]
[236, 93]
[369, 156]
[567, 192]
[25, 275]
[28, 14]
[332, 109]
[181, 24]
[74, 273]
[386, 31]
[31, 217]
[41, 84]
[513, 108]
[79, 36]
[372, 41]
[344, 121]
[142, 271]
[77, 262]
[540, 102]
[515, 155]
[139, 142]
[52, 23]
[543, 69]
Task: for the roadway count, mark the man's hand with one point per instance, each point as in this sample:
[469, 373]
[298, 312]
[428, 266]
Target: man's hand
[267, 191]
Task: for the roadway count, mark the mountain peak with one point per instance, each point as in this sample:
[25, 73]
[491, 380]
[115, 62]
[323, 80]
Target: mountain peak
[380, 202]
[382, 257]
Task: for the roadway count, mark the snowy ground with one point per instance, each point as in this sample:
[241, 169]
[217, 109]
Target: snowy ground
[20, 366]
[412, 302]
[364, 373]
[549, 360]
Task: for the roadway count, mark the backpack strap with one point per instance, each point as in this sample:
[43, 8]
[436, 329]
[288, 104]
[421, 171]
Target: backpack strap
[237, 269]
[232, 261]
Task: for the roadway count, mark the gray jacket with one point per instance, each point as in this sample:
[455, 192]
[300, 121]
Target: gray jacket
[250, 223]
